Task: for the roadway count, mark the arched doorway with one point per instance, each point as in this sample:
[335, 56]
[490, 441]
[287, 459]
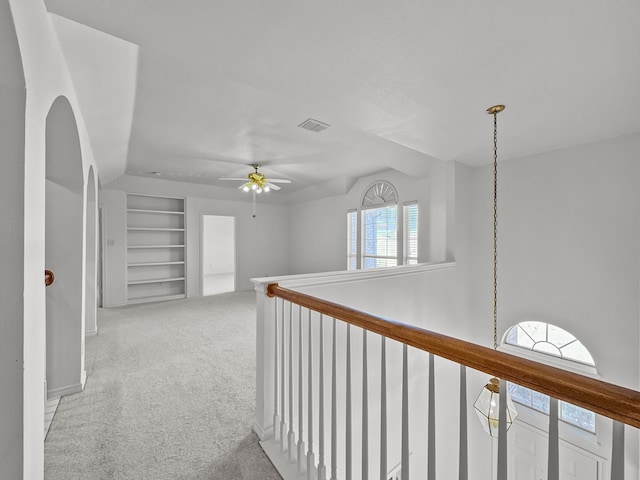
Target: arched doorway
[90, 319]
[64, 240]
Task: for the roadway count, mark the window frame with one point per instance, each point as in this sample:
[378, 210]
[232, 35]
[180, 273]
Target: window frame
[563, 363]
[364, 256]
[380, 194]
[406, 258]
[353, 257]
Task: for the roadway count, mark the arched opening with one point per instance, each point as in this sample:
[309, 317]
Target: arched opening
[90, 318]
[64, 240]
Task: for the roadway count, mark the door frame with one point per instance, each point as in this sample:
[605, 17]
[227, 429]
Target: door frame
[235, 250]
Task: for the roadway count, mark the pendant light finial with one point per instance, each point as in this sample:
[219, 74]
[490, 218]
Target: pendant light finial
[495, 109]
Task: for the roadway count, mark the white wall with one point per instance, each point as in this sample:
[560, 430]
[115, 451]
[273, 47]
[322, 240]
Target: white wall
[319, 227]
[261, 243]
[568, 247]
[12, 120]
[568, 254]
[46, 78]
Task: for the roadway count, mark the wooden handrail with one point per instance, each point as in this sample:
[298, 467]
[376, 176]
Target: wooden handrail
[49, 278]
[613, 401]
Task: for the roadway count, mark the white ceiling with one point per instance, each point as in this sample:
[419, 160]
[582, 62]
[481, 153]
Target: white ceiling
[225, 83]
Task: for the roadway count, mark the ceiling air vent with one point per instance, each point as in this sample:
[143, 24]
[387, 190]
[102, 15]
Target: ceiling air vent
[313, 125]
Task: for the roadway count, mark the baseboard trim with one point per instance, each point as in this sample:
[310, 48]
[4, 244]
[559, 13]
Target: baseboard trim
[263, 433]
[280, 460]
[67, 390]
[91, 333]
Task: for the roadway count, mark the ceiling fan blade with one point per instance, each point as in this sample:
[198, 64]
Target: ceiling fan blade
[233, 178]
[279, 180]
[241, 186]
[272, 186]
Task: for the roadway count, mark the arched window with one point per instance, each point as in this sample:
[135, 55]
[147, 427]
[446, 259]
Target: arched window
[380, 226]
[546, 339]
[379, 234]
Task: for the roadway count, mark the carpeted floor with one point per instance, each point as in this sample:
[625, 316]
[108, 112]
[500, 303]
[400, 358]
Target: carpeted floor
[170, 395]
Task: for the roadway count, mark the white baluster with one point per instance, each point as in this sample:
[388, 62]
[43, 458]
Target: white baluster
[617, 451]
[365, 408]
[383, 410]
[463, 459]
[348, 439]
[405, 414]
[291, 438]
[431, 422]
[334, 413]
[276, 418]
[301, 455]
[321, 466]
[310, 455]
[553, 462]
[502, 432]
[283, 425]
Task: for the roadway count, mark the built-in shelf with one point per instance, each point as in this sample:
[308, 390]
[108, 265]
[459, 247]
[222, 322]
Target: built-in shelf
[155, 298]
[156, 239]
[155, 246]
[153, 264]
[154, 229]
[162, 212]
[155, 280]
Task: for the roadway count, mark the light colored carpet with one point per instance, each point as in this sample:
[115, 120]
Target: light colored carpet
[170, 394]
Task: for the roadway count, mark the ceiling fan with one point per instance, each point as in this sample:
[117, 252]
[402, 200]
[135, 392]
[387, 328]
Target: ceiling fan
[257, 182]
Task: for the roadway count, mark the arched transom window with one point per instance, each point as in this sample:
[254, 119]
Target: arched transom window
[547, 339]
[378, 194]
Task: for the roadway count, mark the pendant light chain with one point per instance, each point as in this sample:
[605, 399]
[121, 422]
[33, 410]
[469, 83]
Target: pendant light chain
[495, 230]
[488, 404]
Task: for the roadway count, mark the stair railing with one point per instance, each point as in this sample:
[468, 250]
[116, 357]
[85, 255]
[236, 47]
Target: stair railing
[299, 404]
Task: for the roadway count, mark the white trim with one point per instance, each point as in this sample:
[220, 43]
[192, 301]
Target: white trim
[386, 202]
[263, 434]
[103, 256]
[235, 250]
[558, 362]
[155, 195]
[68, 390]
[286, 469]
[347, 276]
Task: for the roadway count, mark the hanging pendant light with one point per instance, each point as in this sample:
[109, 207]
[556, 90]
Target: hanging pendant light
[487, 405]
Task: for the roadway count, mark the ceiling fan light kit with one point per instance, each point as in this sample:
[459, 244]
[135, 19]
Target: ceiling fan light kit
[257, 183]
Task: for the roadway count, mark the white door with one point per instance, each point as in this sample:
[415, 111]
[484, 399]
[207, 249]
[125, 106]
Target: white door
[218, 254]
[528, 451]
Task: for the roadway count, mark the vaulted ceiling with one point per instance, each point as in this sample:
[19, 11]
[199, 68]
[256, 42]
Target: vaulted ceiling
[198, 90]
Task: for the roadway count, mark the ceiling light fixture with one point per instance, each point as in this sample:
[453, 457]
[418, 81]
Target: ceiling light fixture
[257, 182]
[487, 405]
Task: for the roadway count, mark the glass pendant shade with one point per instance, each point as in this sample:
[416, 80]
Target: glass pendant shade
[487, 407]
